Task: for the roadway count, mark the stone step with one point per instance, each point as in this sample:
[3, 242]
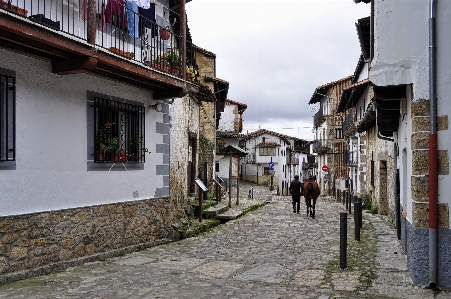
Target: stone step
[214, 210]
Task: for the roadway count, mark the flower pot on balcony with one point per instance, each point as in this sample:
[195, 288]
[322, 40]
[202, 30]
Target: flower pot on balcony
[118, 157]
[174, 69]
[164, 34]
[158, 66]
[119, 52]
[15, 9]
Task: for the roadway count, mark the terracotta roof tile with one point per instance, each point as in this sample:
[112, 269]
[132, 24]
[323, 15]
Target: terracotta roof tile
[322, 89]
[205, 52]
[207, 78]
[241, 105]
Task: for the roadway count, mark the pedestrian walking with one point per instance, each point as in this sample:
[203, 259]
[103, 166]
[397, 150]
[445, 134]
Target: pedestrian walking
[296, 192]
[311, 192]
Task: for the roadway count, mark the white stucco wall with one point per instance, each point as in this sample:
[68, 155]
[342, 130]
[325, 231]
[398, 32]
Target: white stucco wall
[402, 57]
[51, 143]
[227, 120]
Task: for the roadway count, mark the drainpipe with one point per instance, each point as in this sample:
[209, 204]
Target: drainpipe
[433, 173]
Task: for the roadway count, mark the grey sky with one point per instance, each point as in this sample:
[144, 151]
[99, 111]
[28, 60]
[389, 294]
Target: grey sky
[275, 53]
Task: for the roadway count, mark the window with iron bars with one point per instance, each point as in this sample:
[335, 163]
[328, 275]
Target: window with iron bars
[119, 130]
[7, 115]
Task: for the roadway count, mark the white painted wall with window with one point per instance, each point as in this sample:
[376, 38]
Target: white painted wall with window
[51, 168]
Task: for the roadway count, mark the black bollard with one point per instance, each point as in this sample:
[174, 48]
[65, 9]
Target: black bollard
[360, 213]
[357, 211]
[351, 199]
[343, 239]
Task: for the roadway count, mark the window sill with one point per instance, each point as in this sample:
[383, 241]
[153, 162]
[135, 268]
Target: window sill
[114, 166]
[8, 165]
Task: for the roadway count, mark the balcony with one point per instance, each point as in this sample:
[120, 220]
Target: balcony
[324, 146]
[351, 158]
[292, 161]
[319, 117]
[106, 37]
[349, 126]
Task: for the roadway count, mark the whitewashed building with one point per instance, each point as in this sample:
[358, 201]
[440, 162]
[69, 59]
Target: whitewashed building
[85, 132]
[410, 65]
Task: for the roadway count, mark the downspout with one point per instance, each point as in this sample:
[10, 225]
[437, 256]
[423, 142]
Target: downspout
[433, 173]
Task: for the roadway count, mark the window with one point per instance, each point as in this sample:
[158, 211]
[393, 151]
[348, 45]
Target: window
[7, 115]
[267, 151]
[338, 134]
[118, 131]
[266, 171]
[217, 166]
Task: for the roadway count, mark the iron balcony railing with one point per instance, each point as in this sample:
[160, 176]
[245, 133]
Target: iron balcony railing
[318, 116]
[351, 158]
[323, 146]
[121, 27]
[350, 119]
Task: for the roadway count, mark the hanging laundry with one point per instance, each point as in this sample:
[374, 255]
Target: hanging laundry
[147, 20]
[132, 18]
[115, 13]
[72, 4]
[143, 3]
[84, 8]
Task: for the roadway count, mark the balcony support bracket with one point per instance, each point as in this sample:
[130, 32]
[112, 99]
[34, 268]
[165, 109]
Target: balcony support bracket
[74, 66]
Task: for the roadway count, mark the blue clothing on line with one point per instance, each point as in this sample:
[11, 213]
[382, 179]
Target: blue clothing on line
[132, 19]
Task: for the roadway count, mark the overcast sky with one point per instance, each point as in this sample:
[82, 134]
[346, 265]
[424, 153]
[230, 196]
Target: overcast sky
[275, 53]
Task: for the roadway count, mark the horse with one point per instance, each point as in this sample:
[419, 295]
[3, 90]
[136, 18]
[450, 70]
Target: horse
[311, 191]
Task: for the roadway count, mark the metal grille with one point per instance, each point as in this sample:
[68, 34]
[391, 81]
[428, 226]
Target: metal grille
[119, 134]
[7, 116]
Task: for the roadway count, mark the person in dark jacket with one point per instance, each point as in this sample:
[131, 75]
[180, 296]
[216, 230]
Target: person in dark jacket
[296, 191]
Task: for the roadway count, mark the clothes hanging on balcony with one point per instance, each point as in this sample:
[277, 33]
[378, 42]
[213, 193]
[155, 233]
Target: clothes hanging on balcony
[143, 3]
[115, 13]
[72, 4]
[147, 20]
[132, 18]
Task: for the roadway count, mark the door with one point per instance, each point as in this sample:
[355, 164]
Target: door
[192, 154]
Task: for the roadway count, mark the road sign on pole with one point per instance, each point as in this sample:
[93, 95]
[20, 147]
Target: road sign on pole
[271, 164]
[325, 168]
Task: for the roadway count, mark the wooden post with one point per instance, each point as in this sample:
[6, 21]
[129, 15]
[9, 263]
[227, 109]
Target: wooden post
[238, 182]
[230, 182]
[92, 18]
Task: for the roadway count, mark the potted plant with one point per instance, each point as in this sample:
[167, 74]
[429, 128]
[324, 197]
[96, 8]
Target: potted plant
[172, 58]
[15, 9]
[136, 149]
[191, 72]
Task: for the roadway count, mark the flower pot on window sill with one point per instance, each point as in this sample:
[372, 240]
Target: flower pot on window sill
[100, 156]
[119, 52]
[118, 157]
[15, 9]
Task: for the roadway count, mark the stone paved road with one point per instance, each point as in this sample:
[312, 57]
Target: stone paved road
[268, 253]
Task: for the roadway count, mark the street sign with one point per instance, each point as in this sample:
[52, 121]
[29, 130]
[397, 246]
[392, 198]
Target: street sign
[271, 168]
[271, 164]
[325, 168]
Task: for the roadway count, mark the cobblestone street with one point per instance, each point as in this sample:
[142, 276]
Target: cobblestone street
[268, 253]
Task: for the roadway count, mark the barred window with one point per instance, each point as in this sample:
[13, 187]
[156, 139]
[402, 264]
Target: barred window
[118, 131]
[267, 151]
[7, 115]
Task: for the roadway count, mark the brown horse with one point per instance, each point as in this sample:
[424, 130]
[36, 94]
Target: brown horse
[311, 192]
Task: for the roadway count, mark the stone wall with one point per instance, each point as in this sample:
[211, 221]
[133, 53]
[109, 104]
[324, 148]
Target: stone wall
[383, 192]
[420, 165]
[41, 243]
